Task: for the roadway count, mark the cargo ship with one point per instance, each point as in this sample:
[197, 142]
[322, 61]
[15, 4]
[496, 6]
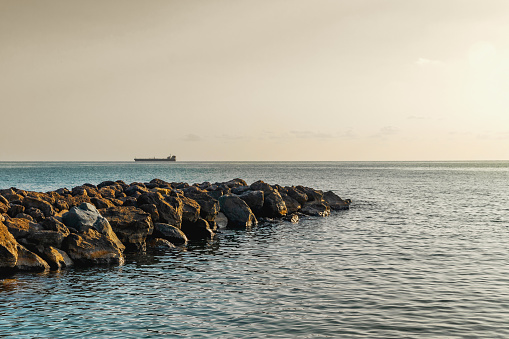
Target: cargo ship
[170, 158]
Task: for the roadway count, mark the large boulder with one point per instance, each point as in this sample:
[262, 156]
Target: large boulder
[132, 225]
[85, 217]
[190, 210]
[254, 199]
[209, 207]
[273, 205]
[291, 204]
[335, 202]
[170, 233]
[8, 248]
[237, 211]
[29, 261]
[200, 229]
[92, 248]
[299, 196]
[170, 209]
[46, 238]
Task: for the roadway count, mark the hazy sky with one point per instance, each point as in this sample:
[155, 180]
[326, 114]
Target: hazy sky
[254, 80]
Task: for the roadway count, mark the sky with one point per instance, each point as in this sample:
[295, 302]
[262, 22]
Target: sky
[254, 80]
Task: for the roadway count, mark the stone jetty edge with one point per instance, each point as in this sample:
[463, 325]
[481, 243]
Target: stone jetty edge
[96, 224]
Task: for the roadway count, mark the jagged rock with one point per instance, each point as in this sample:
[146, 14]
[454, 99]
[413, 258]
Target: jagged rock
[209, 207]
[56, 258]
[197, 230]
[160, 244]
[291, 204]
[235, 183]
[14, 210]
[170, 209]
[4, 201]
[132, 225]
[136, 189]
[35, 213]
[312, 194]
[46, 238]
[4, 207]
[21, 228]
[273, 205]
[254, 199]
[61, 205]
[316, 208]
[170, 233]
[41, 205]
[85, 217]
[93, 248]
[160, 183]
[237, 211]
[261, 186]
[335, 202]
[29, 261]
[8, 248]
[63, 191]
[299, 196]
[190, 210]
[24, 216]
[53, 224]
[101, 203]
[152, 210]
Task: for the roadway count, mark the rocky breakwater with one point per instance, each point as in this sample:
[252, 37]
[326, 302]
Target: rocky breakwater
[98, 224]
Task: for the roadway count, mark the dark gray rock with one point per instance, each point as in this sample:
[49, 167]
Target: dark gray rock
[316, 208]
[254, 199]
[170, 233]
[160, 244]
[237, 211]
[197, 230]
[335, 202]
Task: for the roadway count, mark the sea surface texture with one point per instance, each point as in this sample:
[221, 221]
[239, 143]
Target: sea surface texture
[423, 252]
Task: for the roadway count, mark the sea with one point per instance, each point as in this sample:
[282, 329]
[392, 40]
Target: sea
[423, 252]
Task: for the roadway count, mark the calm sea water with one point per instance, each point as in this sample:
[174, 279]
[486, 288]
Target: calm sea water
[422, 253]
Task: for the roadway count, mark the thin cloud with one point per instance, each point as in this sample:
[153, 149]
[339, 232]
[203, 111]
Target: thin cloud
[427, 62]
[192, 138]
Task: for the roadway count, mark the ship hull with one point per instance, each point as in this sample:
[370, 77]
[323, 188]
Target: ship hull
[156, 160]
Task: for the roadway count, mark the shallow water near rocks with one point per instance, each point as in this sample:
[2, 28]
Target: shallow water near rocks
[422, 253]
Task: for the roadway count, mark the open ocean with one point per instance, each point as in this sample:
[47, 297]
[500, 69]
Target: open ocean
[423, 252]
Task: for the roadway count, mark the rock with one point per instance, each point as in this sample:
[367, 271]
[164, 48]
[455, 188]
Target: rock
[197, 230]
[273, 205]
[292, 218]
[132, 225]
[209, 207]
[21, 228]
[312, 194]
[291, 204]
[53, 224]
[56, 258]
[235, 183]
[170, 209]
[160, 244]
[63, 191]
[61, 205]
[29, 261]
[46, 238]
[41, 205]
[24, 216]
[335, 202]
[152, 210]
[93, 248]
[35, 213]
[4, 207]
[160, 183]
[299, 196]
[221, 220]
[135, 189]
[14, 210]
[237, 211]
[316, 208]
[101, 203]
[8, 248]
[4, 201]
[254, 199]
[190, 210]
[87, 217]
[170, 233]
[261, 186]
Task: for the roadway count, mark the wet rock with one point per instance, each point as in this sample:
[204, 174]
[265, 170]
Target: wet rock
[221, 220]
[197, 230]
[8, 248]
[93, 248]
[273, 205]
[56, 258]
[237, 211]
[29, 261]
[316, 208]
[132, 225]
[160, 244]
[292, 218]
[335, 202]
[170, 233]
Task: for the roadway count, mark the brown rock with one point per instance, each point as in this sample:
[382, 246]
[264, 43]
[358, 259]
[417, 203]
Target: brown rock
[21, 228]
[8, 248]
[92, 248]
[29, 261]
[56, 258]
